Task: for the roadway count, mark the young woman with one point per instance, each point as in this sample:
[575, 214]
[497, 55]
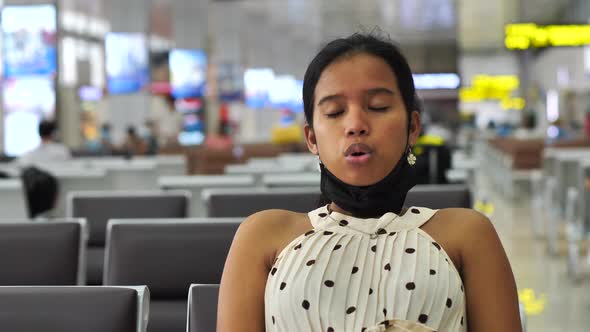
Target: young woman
[361, 263]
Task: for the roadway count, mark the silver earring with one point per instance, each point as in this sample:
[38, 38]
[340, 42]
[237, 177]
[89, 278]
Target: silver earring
[319, 169]
[411, 158]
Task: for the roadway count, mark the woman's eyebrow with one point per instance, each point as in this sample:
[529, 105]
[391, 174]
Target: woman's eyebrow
[371, 92]
[329, 98]
[376, 91]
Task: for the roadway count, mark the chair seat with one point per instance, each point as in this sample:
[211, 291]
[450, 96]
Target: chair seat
[94, 267]
[167, 316]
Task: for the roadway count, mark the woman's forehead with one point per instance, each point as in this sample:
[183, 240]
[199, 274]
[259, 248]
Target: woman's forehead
[356, 74]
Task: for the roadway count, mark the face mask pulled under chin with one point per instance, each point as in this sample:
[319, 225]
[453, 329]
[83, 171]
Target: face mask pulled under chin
[387, 195]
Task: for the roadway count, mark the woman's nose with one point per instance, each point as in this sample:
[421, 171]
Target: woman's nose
[356, 123]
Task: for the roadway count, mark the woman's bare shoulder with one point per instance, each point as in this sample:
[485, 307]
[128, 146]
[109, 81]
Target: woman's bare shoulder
[455, 228]
[272, 230]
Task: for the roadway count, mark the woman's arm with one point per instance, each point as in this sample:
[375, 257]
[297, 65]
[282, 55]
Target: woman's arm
[241, 294]
[492, 299]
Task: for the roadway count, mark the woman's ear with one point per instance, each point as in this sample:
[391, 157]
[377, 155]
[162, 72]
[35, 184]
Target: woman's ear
[415, 127]
[310, 139]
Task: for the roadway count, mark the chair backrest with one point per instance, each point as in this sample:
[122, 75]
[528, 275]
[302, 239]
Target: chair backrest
[100, 206]
[242, 203]
[259, 170]
[77, 180]
[167, 255]
[196, 183]
[202, 308]
[43, 253]
[308, 180]
[167, 165]
[73, 309]
[132, 175]
[13, 202]
[440, 196]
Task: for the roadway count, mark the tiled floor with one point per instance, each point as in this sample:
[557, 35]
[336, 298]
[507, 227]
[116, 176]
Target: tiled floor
[567, 306]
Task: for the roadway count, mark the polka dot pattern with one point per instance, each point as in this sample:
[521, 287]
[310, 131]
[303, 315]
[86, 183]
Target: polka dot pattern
[423, 318]
[305, 305]
[352, 265]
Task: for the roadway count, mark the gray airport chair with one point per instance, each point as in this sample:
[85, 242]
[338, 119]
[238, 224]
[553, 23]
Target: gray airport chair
[196, 183]
[260, 170]
[73, 309]
[100, 206]
[440, 196]
[167, 165]
[43, 253]
[202, 308]
[133, 175]
[77, 180]
[167, 255]
[13, 200]
[295, 180]
[243, 202]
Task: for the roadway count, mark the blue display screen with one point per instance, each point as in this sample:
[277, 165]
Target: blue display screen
[188, 73]
[29, 40]
[126, 62]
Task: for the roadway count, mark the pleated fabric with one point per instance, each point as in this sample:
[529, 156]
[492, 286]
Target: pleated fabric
[376, 274]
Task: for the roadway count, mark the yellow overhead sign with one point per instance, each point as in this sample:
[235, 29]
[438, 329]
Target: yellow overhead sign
[486, 87]
[495, 88]
[528, 35]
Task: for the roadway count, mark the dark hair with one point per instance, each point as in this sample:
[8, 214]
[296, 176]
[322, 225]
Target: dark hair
[46, 128]
[41, 190]
[131, 130]
[360, 43]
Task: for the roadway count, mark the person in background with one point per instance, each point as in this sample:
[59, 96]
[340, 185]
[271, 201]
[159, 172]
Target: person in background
[133, 144]
[41, 189]
[49, 150]
[106, 142]
[168, 122]
[151, 138]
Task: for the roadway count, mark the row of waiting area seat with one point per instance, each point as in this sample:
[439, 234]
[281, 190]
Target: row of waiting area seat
[139, 245]
[558, 184]
[560, 206]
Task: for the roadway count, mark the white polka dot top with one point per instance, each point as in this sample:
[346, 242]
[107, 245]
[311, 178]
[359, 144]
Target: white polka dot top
[352, 274]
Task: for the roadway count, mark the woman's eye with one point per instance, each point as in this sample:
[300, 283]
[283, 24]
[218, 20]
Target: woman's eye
[379, 109]
[334, 114]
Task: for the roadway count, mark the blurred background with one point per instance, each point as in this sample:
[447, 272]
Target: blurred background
[234, 68]
[505, 86]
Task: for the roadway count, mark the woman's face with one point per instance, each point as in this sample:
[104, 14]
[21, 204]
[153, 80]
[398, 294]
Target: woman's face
[359, 120]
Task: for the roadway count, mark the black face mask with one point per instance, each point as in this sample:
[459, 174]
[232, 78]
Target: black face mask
[387, 195]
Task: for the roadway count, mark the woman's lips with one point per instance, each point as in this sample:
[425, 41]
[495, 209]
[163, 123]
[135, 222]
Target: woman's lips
[358, 159]
[358, 153]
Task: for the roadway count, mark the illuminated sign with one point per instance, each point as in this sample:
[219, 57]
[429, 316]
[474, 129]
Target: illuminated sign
[494, 88]
[436, 81]
[528, 35]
